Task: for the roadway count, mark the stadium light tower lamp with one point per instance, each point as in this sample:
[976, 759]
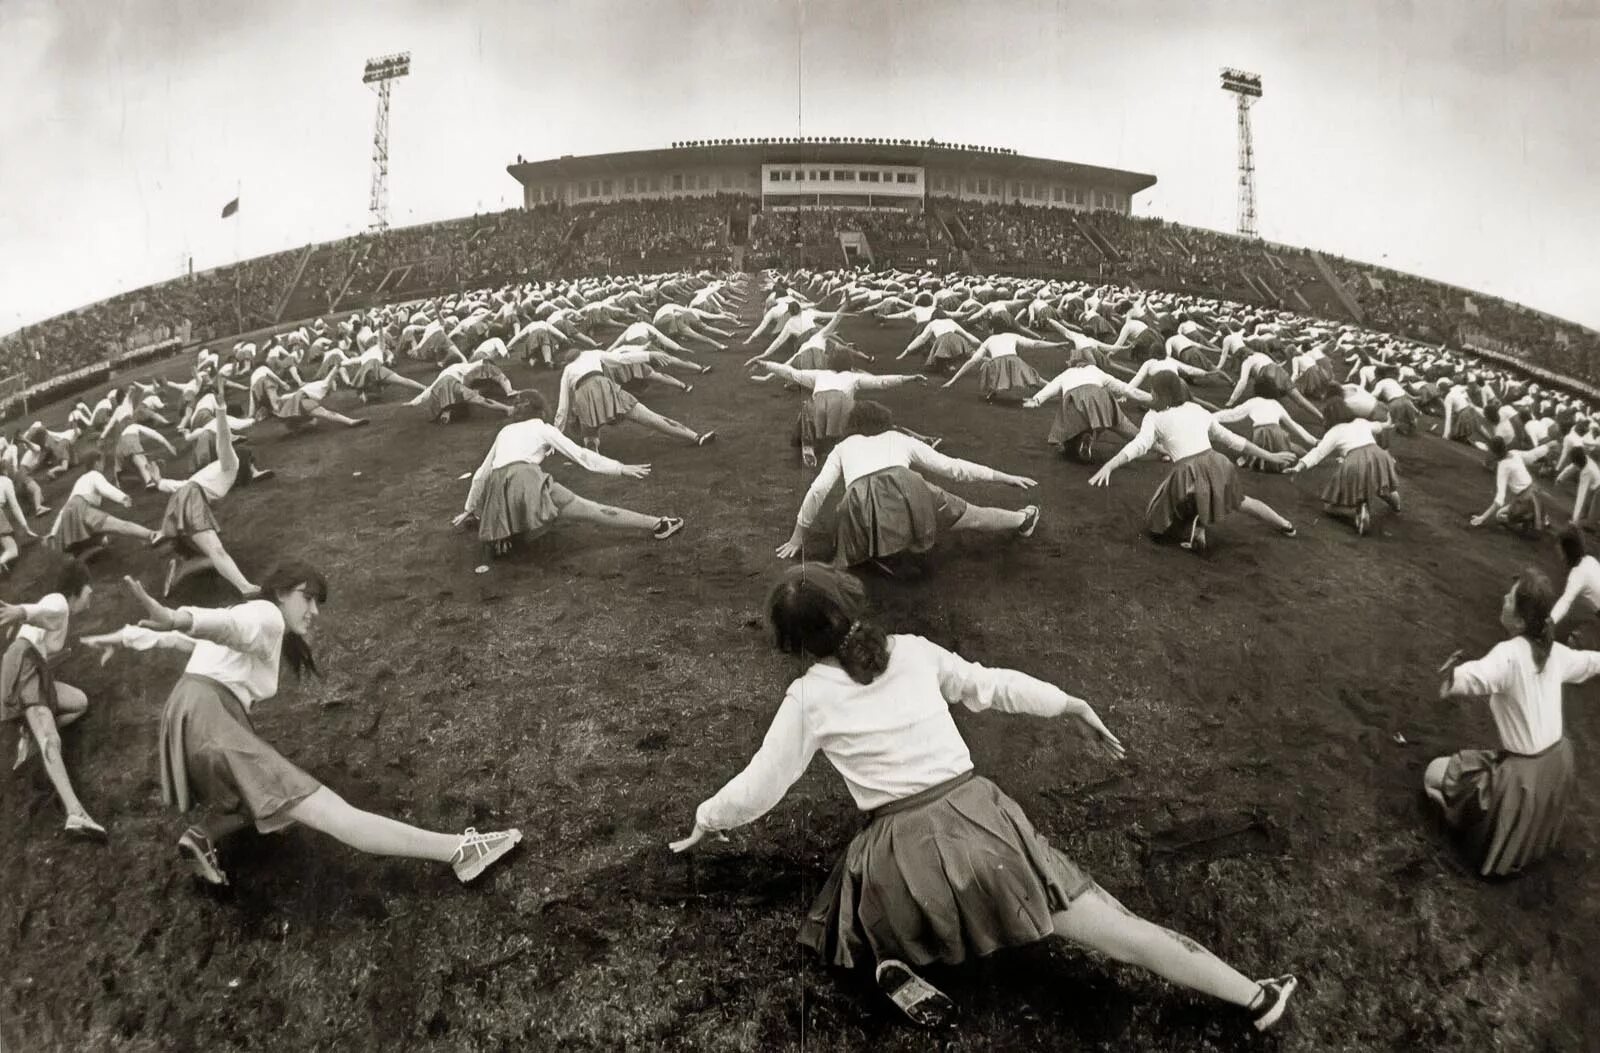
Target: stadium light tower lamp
[382, 72]
[1246, 89]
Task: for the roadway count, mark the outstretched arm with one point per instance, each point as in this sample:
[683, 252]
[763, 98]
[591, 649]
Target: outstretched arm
[966, 367]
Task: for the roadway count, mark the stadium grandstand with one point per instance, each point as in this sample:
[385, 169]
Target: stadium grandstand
[813, 201]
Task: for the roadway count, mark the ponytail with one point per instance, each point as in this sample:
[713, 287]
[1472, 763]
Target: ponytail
[1535, 597]
[297, 652]
[863, 653]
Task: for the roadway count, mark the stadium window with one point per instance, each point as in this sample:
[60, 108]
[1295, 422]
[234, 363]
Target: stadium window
[774, 176]
[1056, 192]
[727, 180]
[627, 184]
[812, 175]
[677, 180]
[1016, 189]
[905, 177]
[605, 188]
[983, 186]
[967, 186]
[823, 176]
[705, 181]
[840, 175]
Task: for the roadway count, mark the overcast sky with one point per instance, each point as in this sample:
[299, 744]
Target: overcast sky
[1452, 138]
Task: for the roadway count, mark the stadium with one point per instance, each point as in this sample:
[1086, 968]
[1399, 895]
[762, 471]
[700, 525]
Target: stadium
[1278, 697]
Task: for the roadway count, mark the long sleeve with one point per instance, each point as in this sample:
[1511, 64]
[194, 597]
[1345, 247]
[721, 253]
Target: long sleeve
[1320, 451]
[882, 383]
[1573, 590]
[242, 628]
[1232, 415]
[806, 378]
[1578, 666]
[1050, 390]
[1223, 437]
[979, 688]
[564, 402]
[784, 755]
[138, 638]
[1502, 481]
[1485, 676]
[595, 462]
[928, 459]
[103, 488]
[1141, 443]
[831, 475]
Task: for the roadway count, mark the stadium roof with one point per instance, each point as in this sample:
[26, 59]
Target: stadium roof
[789, 151]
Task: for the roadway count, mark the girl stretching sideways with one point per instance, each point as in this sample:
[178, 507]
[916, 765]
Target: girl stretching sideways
[512, 498]
[1508, 805]
[1203, 485]
[888, 507]
[1365, 471]
[948, 866]
[209, 752]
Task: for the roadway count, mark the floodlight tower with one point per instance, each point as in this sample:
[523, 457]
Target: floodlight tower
[1246, 89]
[383, 71]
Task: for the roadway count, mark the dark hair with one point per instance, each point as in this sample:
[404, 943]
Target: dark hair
[1580, 456]
[1336, 411]
[837, 359]
[570, 357]
[868, 418]
[91, 460]
[1535, 596]
[816, 610]
[530, 405]
[1498, 447]
[794, 308]
[286, 577]
[1168, 390]
[1571, 541]
[71, 578]
[1267, 387]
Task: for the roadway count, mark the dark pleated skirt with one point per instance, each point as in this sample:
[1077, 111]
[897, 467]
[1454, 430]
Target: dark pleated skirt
[189, 511]
[80, 522]
[1362, 475]
[1086, 408]
[1273, 439]
[823, 417]
[1467, 424]
[446, 393]
[948, 348]
[1317, 382]
[810, 358]
[893, 511]
[1403, 413]
[518, 501]
[1205, 485]
[1008, 375]
[1509, 807]
[598, 401]
[209, 753]
[954, 872]
[26, 680]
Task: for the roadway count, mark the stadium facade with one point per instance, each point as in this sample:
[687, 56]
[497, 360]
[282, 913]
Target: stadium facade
[834, 172]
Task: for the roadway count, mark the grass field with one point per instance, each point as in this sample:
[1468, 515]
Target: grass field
[1277, 698]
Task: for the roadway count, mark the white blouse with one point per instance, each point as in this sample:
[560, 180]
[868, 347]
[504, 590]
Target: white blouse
[239, 647]
[1524, 701]
[1583, 581]
[861, 455]
[1181, 431]
[1341, 439]
[530, 442]
[1261, 412]
[888, 739]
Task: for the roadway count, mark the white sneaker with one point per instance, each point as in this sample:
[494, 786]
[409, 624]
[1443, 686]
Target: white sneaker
[1274, 1002]
[477, 852]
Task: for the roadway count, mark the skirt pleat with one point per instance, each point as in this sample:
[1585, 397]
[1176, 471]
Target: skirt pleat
[598, 401]
[1204, 486]
[954, 872]
[210, 754]
[1317, 381]
[1008, 375]
[1509, 808]
[892, 511]
[1362, 475]
[80, 521]
[1086, 408]
[823, 417]
[518, 500]
[189, 512]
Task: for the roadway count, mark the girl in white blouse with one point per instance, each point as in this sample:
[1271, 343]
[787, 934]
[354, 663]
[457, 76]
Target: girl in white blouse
[823, 417]
[1516, 502]
[81, 525]
[1087, 407]
[888, 508]
[590, 400]
[209, 752]
[1270, 425]
[1365, 471]
[1003, 370]
[512, 498]
[905, 893]
[1583, 574]
[1509, 804]
[1203, 486]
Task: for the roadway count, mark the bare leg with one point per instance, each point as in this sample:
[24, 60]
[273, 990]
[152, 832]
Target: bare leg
[583, 510]
[113, 525]
[1263, 512]
[43, 725]
[389, 376]
[642, 414]
[328, 813]
[991, 520]
[1098, 921]
[667, 379]
[210, 546]
[1433, 779]
[321, 413]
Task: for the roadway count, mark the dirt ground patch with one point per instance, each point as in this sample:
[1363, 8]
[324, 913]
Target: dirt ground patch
[596, 688]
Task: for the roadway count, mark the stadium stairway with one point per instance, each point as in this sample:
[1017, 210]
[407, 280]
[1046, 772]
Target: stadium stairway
[294, 284]
[1337, 287]
[1098, 239]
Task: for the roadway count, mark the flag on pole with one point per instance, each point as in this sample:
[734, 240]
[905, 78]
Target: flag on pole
[230, 208]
